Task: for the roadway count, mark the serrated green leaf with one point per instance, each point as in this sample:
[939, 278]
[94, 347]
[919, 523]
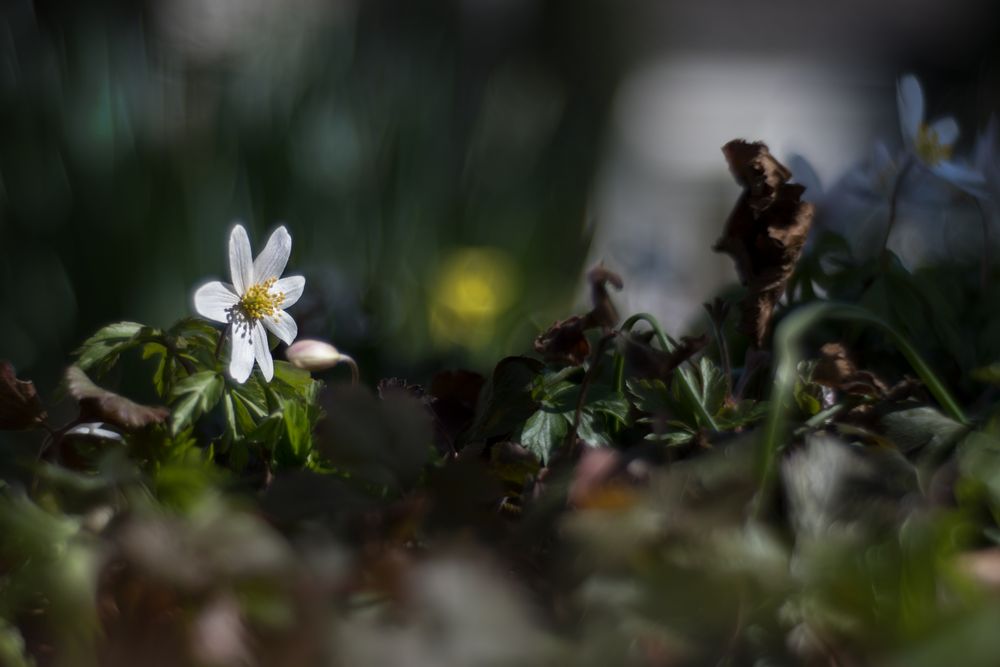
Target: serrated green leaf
[104, 346]
[543, 432]
[712, 385]
[651, 396]
[614, 404]
[192, 397]
[591, 429]
[293, 448]
[294, 379]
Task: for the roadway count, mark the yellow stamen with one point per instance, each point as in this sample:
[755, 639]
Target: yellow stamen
[929, 147]
[258, 301]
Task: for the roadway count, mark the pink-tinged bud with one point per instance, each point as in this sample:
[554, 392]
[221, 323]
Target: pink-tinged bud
[317, 355]
[313, 355]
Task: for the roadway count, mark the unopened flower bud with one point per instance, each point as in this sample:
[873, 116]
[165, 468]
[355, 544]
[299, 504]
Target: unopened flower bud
[313, 355]
[317, 355]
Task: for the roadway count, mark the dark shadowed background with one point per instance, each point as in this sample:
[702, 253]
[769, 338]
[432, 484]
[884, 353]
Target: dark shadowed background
[447, 169]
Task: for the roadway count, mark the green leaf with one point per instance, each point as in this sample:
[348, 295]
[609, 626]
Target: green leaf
[651, 396]
[921, 428]
[102, 349]
[192, 397]
[614, 404]
[671, 439]
[712, 385]
[989, 374]
[507, 401]
[592, 429]
[294, 447]
[543, 432]
[296, 380]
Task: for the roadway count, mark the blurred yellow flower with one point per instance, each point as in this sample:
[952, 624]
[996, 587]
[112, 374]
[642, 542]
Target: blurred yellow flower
[474, 286]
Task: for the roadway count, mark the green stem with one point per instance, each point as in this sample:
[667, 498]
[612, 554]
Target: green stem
[897, 189]
[619, 372]
[787, 340]
[686, 385]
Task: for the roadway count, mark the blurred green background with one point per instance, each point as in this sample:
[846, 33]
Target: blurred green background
[432, 161]
[447, 169]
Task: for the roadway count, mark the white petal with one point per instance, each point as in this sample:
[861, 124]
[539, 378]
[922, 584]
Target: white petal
[241, 361]
[910, 99]
[881, 157]
[272, 259]
[95, 430]
[214, 299]
[946, 130]
[283, 326]
[262, 352]
[240, 260]
[291, 287]
[962, 176]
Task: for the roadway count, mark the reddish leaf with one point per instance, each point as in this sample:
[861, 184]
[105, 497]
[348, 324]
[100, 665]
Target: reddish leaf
[97, 404]
[565, 342]
[20, 406]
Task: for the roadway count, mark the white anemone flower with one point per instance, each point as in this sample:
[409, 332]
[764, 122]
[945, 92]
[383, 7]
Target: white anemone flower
[256, 300]
[933, 144]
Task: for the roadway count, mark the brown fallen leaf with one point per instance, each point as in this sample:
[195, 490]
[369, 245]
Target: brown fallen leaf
[603, 314]
[20, 406]
[836, 370]
[98, 404]
[565, 342]
[649, 362]
[765, 232]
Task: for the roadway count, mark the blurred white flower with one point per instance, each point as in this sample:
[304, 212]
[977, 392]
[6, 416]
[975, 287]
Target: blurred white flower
[932, 145]
[95, 430]
[255, 300]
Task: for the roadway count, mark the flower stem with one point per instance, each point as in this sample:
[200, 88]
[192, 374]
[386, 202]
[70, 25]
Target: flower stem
[222, 339]
[897, 189]
[686, 385]
[984, 261]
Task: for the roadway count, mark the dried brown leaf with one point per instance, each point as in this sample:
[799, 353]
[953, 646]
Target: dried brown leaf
[603, 314]
[836, 370]
[564, 342]
[648, 362]
[765, 233]
[98, 404]
[20, 406]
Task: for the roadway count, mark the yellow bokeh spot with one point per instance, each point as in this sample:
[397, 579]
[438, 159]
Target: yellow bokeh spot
[929, 147]
[474, 286]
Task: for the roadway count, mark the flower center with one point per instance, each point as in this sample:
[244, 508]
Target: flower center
[257, 302]
[929, 147]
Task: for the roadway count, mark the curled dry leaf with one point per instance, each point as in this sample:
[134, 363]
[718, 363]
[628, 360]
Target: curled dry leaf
[603, 314]
[97, 404]
[648, 362]
[836, 370]
[565, 342]
[20, 406]
[765, 233]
